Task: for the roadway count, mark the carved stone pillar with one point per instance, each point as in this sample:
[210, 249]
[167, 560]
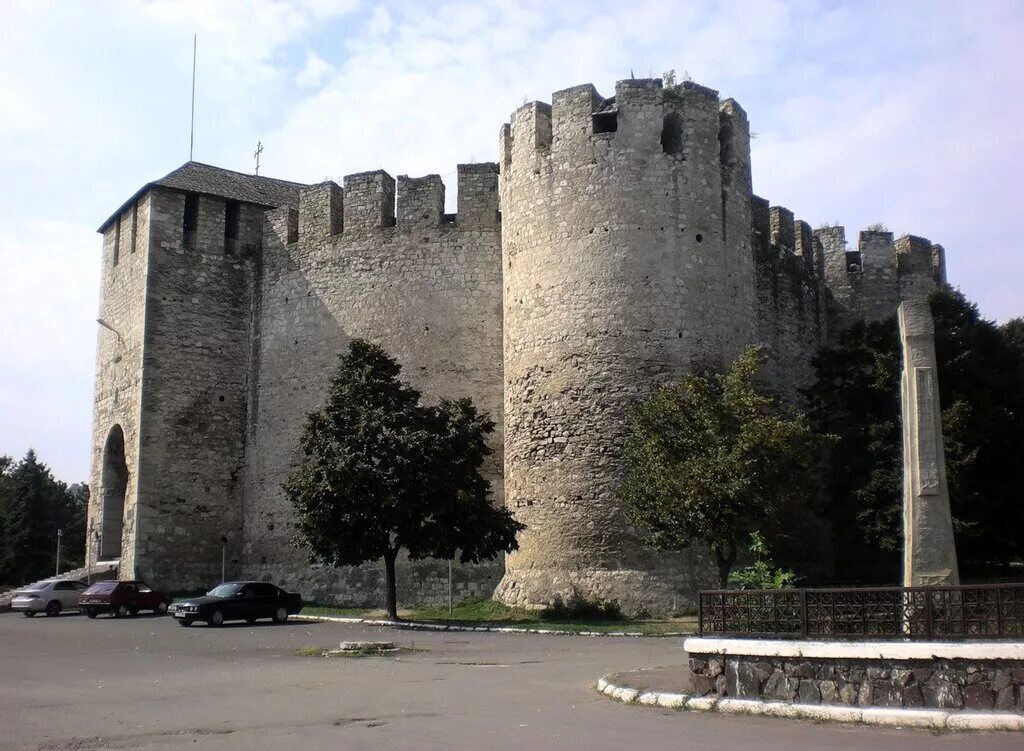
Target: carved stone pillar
[929, 551]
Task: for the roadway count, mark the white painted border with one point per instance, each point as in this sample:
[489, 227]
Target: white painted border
[930, 719]
[870, 650]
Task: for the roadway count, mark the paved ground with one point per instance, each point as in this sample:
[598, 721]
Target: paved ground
[145, 683]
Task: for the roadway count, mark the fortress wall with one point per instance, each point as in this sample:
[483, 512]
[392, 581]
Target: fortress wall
[790, 310]
[119, 352]
[626, 262]
[194, 398]
[424, 286]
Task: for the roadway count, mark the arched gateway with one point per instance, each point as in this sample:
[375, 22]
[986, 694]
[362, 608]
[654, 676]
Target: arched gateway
[114, 483]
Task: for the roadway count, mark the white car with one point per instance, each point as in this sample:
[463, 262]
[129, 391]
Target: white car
[50, 597]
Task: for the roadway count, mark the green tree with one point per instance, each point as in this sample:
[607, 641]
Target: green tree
[981, 389]
[381, 472]
[714, 457]
[6, 466]
[33, 503]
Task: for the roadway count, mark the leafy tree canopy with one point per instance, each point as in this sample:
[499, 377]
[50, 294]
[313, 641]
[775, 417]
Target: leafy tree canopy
[381, 472]
[856, 396]
[714, 457]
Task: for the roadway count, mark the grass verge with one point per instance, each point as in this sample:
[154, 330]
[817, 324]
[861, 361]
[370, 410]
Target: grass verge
[497, 615]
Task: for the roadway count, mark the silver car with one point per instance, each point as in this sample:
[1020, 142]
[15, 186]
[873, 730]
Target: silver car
[50, 597]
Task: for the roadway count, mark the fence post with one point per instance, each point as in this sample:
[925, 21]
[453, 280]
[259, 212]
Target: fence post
[700, 614]
[803, 613]
[929, 615]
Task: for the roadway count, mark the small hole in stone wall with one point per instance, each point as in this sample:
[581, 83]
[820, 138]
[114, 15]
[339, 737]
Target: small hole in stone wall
[286, 299]
[220, 398]
[699, 237]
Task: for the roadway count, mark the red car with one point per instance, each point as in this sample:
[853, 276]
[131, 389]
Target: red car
[121, 598]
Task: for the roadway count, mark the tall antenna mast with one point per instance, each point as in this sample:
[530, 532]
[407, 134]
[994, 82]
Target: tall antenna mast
[192, 124]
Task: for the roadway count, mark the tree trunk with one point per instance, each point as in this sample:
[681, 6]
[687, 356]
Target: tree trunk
[391, 603]
[725, 560]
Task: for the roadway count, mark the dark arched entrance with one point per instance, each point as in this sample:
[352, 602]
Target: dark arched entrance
[115, 482]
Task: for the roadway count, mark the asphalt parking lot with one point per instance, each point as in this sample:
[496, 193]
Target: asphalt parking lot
[146, 683]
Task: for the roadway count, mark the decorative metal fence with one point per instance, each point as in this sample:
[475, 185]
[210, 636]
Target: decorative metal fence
[994, 611]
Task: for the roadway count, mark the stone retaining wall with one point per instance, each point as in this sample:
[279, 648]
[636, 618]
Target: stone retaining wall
[919, 683]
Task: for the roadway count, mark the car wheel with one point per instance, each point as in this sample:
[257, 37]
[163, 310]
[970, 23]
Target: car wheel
[52, 609]
[216, 619]
[184, 624]
[280, 615]
[29, 613]
[120, 611]
[90, 612]
[161, 608]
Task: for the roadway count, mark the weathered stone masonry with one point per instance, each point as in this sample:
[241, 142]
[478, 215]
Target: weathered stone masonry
[629, 248]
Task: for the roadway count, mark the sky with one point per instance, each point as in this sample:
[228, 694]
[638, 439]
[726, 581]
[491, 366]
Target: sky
[907, 113]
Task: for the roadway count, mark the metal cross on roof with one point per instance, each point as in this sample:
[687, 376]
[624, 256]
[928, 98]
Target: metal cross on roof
[256, 154]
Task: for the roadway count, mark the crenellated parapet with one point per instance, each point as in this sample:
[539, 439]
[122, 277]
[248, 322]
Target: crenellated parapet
[371, 202]
[869, 282]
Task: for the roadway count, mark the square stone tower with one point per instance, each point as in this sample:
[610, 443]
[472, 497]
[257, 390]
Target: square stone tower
[172, 361]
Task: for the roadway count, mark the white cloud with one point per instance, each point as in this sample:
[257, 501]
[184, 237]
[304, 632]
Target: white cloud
[314, 72]
[902, 112]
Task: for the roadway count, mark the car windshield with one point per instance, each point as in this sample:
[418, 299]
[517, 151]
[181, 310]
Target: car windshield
[101, 587]
[224, 590]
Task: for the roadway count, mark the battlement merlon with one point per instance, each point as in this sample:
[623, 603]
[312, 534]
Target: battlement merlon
[919, 262]
[877, 251]
[478, 204]
[369, 201]
[420, 201]
[320, 211]
[782, 230]
[280, 228]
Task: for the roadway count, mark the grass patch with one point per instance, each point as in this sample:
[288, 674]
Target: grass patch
[495, 614]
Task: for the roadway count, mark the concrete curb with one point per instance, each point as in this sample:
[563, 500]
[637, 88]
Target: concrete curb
[408, 626]
[929, 719]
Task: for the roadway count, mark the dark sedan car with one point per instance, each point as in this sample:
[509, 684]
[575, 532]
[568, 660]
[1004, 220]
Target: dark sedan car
[239, 601]
[121, 598]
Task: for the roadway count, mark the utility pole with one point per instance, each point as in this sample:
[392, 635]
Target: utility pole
[450, 587]
[60, 533]
[223, 558]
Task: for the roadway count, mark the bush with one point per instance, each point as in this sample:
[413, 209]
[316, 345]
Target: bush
[762, 573]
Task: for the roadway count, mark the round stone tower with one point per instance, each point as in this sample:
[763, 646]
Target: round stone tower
[627, 261]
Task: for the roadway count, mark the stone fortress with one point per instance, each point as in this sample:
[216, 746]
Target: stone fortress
[615, 245]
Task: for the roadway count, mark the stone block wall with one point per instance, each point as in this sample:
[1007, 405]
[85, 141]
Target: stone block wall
[950, 684]
[425, 287]
[626, 262]
[791, 318]
[119, 370]
[194, 391]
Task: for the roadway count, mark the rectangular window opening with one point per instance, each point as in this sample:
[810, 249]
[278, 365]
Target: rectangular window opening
[605, 122]
[135, 225]
[117, 240]
[190, 221]
[232, 214]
